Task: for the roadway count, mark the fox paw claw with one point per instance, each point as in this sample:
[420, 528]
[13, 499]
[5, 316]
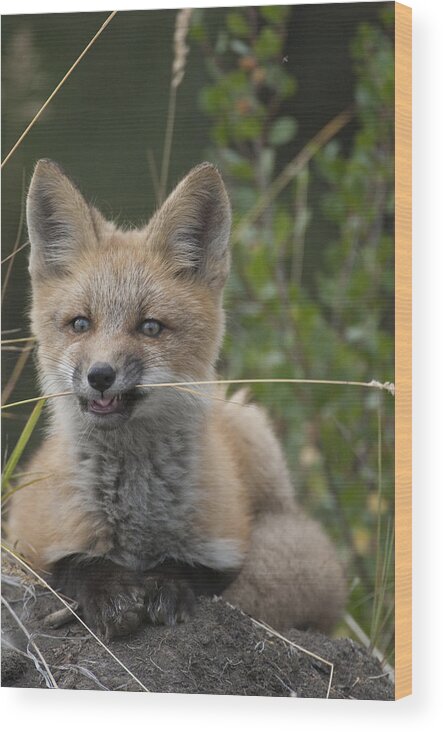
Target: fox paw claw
[169, 601]
[116, 601]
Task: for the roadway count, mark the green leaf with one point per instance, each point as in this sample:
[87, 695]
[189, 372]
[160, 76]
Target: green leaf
[197, 32]
[240, 47]
[275, 13]
[247, 128]
[282, 131]
[238, 25]
[268, 44]
[242, 170]
[213, 99]
[266, 162]
[221, 44]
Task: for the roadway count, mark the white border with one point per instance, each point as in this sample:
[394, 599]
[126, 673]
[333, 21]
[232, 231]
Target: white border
[74, 710]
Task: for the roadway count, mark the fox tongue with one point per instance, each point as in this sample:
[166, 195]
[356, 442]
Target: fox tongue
[107, 405]
[103, 406]
[104, 402]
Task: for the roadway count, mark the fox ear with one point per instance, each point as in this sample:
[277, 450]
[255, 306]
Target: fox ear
[192, 227]
[59, 220]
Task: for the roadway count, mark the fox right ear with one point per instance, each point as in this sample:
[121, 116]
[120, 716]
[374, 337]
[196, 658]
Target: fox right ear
[59, 220]
[191, 229]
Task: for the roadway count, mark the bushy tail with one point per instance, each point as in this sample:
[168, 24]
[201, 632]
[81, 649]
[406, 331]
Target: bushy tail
[292, 577]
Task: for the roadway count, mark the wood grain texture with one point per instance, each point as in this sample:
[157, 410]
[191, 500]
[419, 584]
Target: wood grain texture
[403, 349]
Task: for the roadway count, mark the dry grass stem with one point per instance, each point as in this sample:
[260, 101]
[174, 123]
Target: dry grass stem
[68, 607]
[60, 617]
[388, 386]
[17, 340]
[47, 675]
[57, 88]
[16, 488]
[17, 349]
[180, 48]
[276, 634]
[154, 174]
[210, 396]
[293, 169]
[378, 537]
[16, 373]
[14, 252]
[36, 399]
[366, 642]
[182, 22]
[16, 247]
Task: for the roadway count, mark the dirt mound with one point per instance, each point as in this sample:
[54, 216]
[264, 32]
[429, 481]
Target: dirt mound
[219, 651]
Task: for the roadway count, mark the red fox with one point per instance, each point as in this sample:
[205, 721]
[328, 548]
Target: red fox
[152, 495]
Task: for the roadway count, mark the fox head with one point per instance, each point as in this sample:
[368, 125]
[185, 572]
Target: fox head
[114, 309]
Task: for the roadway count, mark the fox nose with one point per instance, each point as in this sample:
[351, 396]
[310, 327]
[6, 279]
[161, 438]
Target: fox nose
[101, 376]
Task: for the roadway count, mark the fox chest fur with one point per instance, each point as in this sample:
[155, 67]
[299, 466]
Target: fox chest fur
[143, 492]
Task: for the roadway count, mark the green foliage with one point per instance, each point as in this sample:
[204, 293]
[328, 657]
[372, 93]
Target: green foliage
[282, 131]
[304, 308]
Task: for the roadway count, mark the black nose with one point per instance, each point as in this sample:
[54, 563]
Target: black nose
[101, 376]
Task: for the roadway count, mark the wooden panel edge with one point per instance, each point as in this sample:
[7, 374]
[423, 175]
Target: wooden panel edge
[403, 351]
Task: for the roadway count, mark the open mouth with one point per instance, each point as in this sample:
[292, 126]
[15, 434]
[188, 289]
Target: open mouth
[119, 404]
[105, 406]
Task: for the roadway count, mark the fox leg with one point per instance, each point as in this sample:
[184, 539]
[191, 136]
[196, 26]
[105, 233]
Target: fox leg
[291, 576]
[115, 600]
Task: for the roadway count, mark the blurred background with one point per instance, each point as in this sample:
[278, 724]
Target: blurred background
[295, 106]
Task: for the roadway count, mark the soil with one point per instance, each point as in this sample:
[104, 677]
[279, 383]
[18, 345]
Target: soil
[219, 651]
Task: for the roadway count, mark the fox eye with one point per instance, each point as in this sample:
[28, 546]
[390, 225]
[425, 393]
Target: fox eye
[151, 328]
[80, 324]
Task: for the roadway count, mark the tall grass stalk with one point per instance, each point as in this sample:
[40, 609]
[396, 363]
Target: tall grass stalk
[21, 444]
[16, 373]
[181, 49]
[384, 549]
[19, 487]
[18, 237]
[291, 170]
[387, 385]
[8, 341]
[57, 89]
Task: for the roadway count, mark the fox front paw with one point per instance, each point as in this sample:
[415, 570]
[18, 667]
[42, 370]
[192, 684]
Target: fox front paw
[115, 601]
[111, 598]
[116, 612]
[168, 601]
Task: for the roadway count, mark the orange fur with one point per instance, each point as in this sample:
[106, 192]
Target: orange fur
[172, 270]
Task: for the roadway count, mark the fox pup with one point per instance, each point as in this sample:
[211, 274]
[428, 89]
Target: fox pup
[150, 495]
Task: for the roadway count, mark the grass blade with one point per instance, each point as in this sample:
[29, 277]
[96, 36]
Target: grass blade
[21, 444]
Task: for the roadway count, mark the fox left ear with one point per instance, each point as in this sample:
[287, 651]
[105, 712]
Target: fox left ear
[192, 227]
[60, 222]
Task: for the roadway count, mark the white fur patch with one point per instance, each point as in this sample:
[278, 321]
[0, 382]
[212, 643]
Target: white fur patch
[222, 554]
